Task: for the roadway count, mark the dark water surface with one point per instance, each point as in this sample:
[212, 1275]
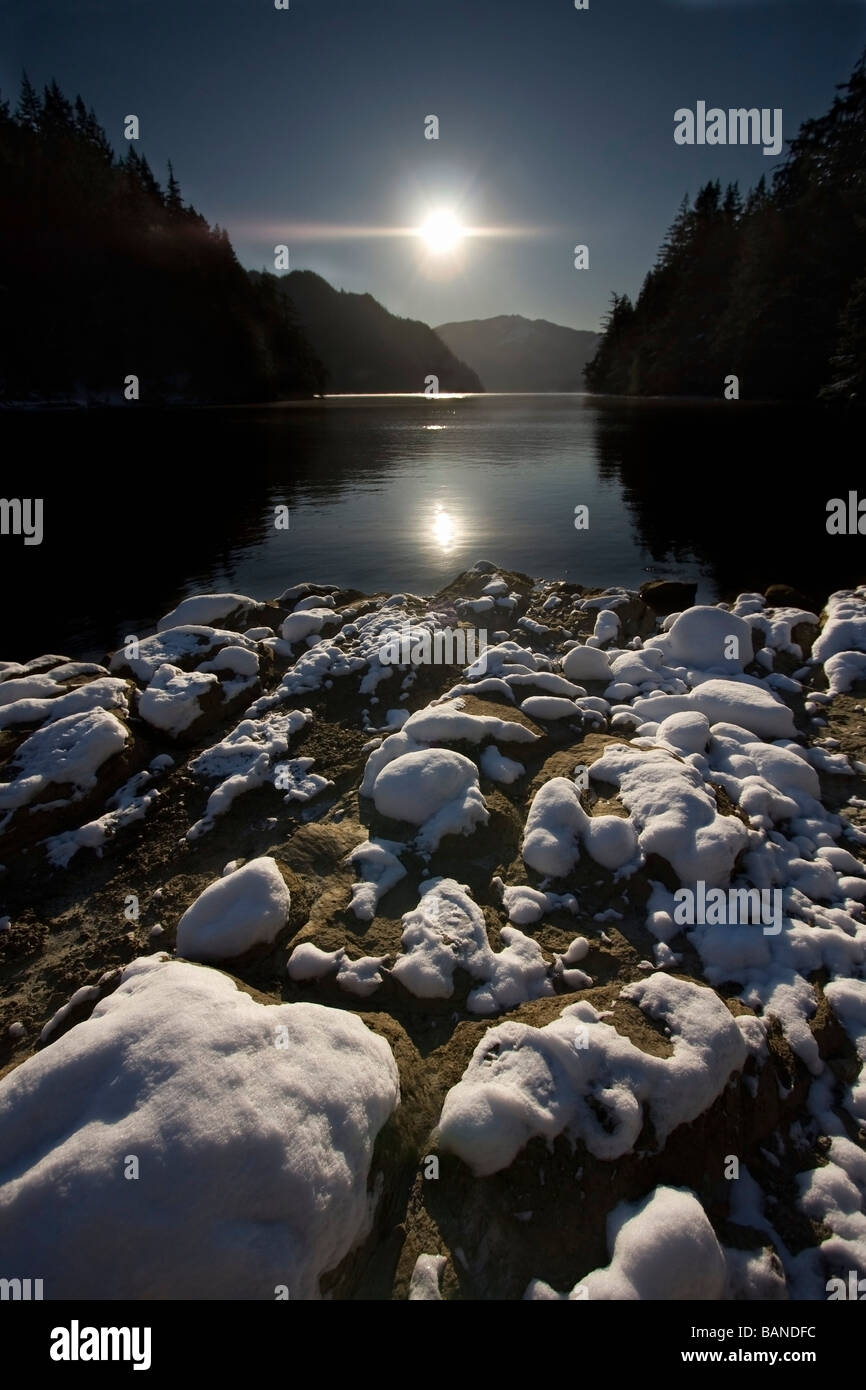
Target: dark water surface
[400, 493]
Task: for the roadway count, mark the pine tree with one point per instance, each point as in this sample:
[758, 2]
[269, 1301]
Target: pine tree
[29, 113]
[173, 200]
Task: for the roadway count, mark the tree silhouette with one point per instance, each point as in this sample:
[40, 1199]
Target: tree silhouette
[768, 288]
[103, 273]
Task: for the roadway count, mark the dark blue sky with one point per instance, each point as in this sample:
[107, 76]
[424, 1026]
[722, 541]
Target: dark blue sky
[551, 118]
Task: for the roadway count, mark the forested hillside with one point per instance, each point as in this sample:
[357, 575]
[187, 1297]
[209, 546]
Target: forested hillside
[105, 273]
[770, 288]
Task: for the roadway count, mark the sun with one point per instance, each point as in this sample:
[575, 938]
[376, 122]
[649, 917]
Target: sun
[442, 233]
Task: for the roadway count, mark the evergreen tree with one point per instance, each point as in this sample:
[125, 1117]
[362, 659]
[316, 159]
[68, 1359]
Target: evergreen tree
[29, 113]
[102, 274]
[766, 288]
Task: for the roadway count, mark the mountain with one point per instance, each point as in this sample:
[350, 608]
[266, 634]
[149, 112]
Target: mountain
[511, 353]
[363, 346]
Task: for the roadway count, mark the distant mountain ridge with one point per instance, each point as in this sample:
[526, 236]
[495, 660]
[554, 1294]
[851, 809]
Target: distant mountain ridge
[512, 353]
[364, 347]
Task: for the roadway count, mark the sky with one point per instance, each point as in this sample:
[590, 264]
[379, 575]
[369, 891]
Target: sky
[306, 126]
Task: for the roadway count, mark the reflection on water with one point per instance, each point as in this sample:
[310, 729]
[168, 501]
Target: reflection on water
[142, 508]
[444, 529]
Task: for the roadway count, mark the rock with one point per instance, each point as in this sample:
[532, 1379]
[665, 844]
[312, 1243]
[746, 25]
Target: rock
[584, 663]
[665, 596]
[783, 596]
[236, 913]
[63, 774]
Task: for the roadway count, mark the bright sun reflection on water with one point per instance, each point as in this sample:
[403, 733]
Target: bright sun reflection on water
[444, 529]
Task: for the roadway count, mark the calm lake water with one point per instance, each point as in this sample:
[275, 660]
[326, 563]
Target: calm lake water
[401, 493]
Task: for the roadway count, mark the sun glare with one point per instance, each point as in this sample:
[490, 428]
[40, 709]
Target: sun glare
[442, 233]
[444, 529]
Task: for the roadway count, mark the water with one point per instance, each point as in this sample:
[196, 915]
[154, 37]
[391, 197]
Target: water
[395, 493]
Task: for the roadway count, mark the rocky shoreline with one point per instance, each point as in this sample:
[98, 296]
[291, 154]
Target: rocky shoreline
[411, 930]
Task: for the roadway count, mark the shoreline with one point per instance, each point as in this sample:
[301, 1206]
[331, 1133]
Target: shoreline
[439, 855]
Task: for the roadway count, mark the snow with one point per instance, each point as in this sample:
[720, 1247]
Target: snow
[359, 977]
[240, 660]
[435, 789]
[204, 609]
[380, 869]
[611, 841]
[299, 625]
[243, 760]
[583, 663]
[557, 824]
[28, 688]
[314, 601]
[446, 931]
[688, 732]
[606, 626]
[554, 826]
[499, 768]
[449, 723]
[424, 1284]
[550, 707]
[308, 962]
[357, 649]
[171, 700]
[524, 1081]
[842, 670]
[525, 905]
[68, 752]
[106, 693]
[128, 804]
[548, 681]
[845, 628]
[248, 907]
[701, 638]
[750, 706]
[295, 779]
[675, 815]
[253, 1126]
[85, 995]
[848, 1001]
[173, 646]
[662, 1248]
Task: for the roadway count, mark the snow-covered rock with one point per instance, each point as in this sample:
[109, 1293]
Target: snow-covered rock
[435, 789]
[706, 638]
[252, 1129]
[380, 869]
[675, 814]
[751, 706]
[68, 753]
[584, 663]
[204, 609]
[446, 931]
[247, 908]
[554, 827]
[525, 1081]
[662, 1248]
[171, 701]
